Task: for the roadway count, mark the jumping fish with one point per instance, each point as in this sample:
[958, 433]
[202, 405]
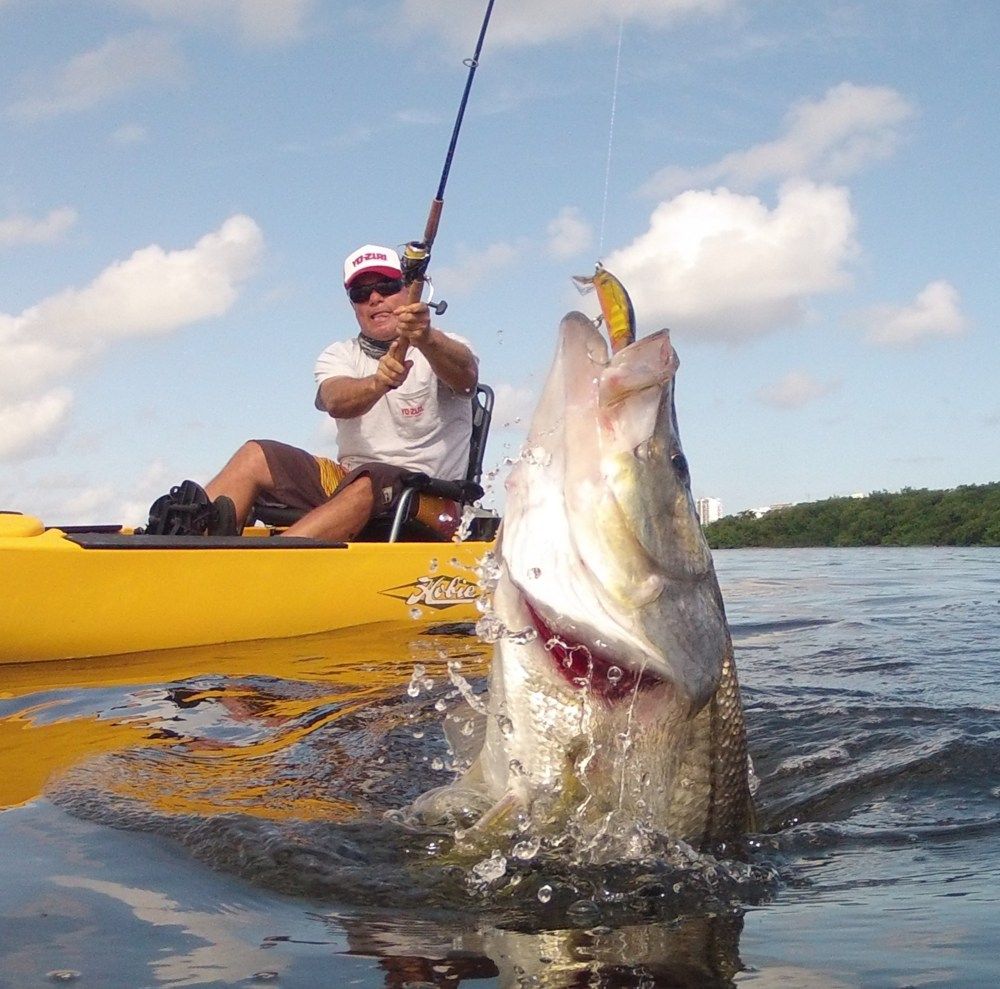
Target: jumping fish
[616, 306]
[613, 694]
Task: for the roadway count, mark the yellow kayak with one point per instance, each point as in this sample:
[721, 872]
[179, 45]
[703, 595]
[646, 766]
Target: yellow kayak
[71, 593]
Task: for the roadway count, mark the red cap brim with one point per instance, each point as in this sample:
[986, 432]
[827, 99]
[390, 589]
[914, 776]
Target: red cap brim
[379, 269]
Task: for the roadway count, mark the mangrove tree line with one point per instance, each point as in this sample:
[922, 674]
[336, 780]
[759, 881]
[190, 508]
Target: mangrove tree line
[965, 516]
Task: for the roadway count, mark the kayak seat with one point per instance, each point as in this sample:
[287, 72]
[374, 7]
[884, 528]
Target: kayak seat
[404, 526]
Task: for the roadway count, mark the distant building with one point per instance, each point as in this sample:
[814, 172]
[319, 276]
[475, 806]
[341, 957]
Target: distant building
[764, 509]
[709, 510]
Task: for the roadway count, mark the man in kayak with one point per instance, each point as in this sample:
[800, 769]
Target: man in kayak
[400, 393]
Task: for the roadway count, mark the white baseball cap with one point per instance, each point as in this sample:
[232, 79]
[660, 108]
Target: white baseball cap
[371, 257]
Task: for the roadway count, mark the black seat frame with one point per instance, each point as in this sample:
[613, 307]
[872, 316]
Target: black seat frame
[465, 491]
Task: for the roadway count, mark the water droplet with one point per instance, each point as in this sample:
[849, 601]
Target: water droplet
[441, 705]
[516, 767]
[418, 734]
[413, 688]
[583, 912]
[63, 975]
[416, 613]
[432, 565]
[505, 725]
[534, 573]
[490, 629]
[523, 636]
[614, 674]
[538, 456]
[265, 976]
[544, 893]
[527, 849]
[491, 869]
[437, 763]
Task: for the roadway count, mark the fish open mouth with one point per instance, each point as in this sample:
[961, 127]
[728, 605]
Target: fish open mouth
[586, 667]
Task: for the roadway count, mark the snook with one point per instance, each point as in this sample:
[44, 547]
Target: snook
[613, 693]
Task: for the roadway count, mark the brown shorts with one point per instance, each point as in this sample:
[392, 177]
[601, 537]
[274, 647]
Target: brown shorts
[305, 481]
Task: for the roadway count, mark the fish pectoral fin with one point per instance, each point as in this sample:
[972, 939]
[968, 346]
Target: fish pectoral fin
[496, 822]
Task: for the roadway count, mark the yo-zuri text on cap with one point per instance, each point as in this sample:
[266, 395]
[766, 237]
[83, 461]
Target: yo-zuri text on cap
[371, 257]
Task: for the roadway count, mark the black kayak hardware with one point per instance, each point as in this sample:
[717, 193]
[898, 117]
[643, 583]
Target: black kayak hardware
[188, 511]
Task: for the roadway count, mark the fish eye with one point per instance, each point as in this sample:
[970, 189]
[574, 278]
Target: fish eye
[680, 464]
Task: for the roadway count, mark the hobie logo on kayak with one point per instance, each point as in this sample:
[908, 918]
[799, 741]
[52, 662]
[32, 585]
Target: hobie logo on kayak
[436, 592]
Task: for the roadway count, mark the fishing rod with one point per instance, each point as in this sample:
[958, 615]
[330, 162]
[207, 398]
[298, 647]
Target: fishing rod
[417, 253]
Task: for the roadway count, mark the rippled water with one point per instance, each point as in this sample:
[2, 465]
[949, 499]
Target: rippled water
[215, 817]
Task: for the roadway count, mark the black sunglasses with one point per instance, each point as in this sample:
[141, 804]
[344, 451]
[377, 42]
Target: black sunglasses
[362, 293]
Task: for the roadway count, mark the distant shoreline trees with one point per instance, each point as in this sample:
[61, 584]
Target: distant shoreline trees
[965, 516]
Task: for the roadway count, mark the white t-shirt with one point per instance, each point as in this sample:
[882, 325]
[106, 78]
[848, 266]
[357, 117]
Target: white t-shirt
[422, 425]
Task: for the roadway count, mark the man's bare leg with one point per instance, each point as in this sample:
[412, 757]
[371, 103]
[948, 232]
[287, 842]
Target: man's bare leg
[342, 517]
[243, 479]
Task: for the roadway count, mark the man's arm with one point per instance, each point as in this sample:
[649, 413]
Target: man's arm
[347, 397]
[450, 360]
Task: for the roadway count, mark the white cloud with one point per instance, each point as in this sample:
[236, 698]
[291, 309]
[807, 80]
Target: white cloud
[154, 291]
[263, 23]
[70, 498]
[24, 424]
[129, 134]
[473, 267]
[120, 66]
[569, 234]
[936, 312]
[827, 139]
[513, 407]
[794, 390]
[726, 267]
[28, 364]
[20, 229]
[537, 22]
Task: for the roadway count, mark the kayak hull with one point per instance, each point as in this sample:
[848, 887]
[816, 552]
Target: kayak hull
[70, 595]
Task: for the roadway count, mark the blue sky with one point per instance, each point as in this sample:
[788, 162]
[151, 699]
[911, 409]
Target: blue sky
[804, 193]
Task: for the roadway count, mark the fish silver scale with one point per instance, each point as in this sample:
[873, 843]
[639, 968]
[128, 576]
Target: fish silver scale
[601, 541]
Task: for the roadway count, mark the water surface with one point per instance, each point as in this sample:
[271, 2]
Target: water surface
[216, 817]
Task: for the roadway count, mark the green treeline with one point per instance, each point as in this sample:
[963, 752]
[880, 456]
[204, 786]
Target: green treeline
[964, 516]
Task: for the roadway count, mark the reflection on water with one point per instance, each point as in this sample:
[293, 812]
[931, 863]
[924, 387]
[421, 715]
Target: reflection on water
[699, 951]
[216, 816]
[206, 720]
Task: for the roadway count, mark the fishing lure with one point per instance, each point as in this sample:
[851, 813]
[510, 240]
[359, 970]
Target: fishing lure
[616, 306]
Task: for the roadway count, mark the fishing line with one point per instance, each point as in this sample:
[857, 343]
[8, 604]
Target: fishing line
[611, 135]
